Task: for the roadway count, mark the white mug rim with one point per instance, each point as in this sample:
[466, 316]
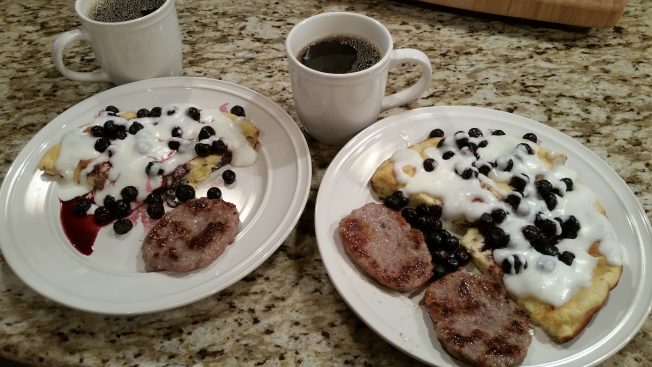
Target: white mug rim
[378, 65]
[85, 17]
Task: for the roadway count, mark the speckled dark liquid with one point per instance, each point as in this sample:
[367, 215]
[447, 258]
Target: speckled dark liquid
[340, 54]
[114, 11]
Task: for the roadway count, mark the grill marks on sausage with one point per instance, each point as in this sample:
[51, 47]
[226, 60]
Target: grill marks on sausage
[476, 322]
[191, 235]
[380, 242]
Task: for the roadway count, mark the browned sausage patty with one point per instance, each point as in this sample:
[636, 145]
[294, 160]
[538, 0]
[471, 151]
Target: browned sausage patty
[191, 235]
[476, 322]
[381, 242]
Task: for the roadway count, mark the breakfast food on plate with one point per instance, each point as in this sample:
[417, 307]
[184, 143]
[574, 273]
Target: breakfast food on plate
[527, 219]
[384, 245]
[190, 236]
[136, 164]
[476, 321]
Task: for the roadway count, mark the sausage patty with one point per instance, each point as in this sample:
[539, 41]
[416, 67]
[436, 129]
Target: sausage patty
[384, 245]
[191, 235]
[476, 322]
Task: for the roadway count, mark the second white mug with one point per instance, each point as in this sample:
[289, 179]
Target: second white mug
[142, 48]
[335, 107]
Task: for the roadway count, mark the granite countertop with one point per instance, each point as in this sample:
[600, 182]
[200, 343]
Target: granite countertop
[594, 85]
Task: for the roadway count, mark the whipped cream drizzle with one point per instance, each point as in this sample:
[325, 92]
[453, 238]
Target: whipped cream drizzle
[545, 278]
[130, 157]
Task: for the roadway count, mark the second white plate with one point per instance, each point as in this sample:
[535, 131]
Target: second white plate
[270, 196]
[399, 318]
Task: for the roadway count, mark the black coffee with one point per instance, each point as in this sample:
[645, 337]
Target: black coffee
[113, 11]
[340, 54]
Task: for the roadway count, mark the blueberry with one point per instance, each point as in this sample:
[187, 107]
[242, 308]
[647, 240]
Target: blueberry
[462, 142]
[206, 132]
[526, 147]
[156, 112]
[473, 147]
[498, 215]
[551, 201]
[429, 164]
[97, 131]
[193, 113]
[441, 142]
[498, 132]
[153, 198]
[120, 208]
[396, 200]
[82, 205]
[546, 249]
[410, 215]
[462, 256]
[475, 132]
[513, 200]
[113, 109]
[109, 126]
[435, 211]
[218, 147]
[569, 183]
[483, 144]
[506, 267]
[155, 210]
[129, 193]
[485, 221]
[238, 111]
[148, 168]
[228, 176]
[439, 255]
[143, 112]
[451, 264]
[531, 137]
[174, 145]
[451, 243]
[436, 133]
[176, 132]
[122, 226]
[102, 216]
[109, 201]
[121, 134]
[214, 193]
[439, 272]
[171, 111]
[518, 265]
[544, 187]
[185, 193]
[448, 155]
[467, 174]
[202, 149]
[518, 183]
[547, 227]
[135, 127]
[101, 144]
[484, 169]
[566, 257]
[570, 227]
[423, 209]
[497, 238]
[508, 166]
[434, 240]
[530, 232]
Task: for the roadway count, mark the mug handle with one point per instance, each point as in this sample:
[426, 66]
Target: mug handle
[60, 43]
[416, 90]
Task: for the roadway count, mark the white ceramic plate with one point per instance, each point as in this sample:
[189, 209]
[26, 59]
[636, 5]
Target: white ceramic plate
[270, 196]
[399, 318]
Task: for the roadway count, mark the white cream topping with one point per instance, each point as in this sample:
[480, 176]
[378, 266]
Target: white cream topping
[544, 277]
[130, 157]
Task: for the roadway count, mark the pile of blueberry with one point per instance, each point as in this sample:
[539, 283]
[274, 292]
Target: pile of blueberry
[444, 247]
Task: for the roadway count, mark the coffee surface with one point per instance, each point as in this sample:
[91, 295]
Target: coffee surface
[113, 11]
[340, 54]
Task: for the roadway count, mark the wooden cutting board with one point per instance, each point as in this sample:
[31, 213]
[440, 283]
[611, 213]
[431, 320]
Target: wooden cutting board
[583, 13]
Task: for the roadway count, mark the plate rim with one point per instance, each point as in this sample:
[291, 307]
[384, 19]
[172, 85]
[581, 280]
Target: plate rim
[295, 206]
[357, 143]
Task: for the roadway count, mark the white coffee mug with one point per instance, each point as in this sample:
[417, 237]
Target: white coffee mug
[334, 107]
[138, 49]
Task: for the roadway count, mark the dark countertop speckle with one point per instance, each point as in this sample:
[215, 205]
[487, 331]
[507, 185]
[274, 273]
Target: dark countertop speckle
[593, 85]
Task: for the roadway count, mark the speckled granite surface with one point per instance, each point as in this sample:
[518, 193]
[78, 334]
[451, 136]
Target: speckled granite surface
[594, 85]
